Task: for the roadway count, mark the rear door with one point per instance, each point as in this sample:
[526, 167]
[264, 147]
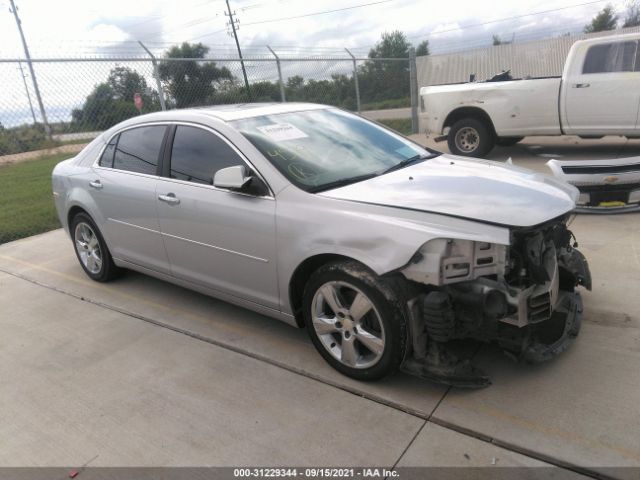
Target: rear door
[602, 95]
[123, 186]
[220, 239]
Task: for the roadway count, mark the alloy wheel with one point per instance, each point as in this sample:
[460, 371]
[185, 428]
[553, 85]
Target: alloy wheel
[348, 324]
[88, 247]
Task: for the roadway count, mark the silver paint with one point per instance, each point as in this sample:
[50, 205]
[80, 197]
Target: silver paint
[245, 249]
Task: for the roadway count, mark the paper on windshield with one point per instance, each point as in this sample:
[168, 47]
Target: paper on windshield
[282, 131]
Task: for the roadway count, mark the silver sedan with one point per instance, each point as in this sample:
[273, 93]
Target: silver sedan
[385, 251]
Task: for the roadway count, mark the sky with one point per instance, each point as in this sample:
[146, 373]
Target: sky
[112, 28]
[85, 27]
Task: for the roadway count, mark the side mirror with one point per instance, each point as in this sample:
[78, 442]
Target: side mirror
[234, 178]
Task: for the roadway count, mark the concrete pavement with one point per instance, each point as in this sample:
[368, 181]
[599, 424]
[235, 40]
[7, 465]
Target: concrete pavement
[140, 372]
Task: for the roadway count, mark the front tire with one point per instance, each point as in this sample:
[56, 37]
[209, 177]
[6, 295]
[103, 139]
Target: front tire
[356, 320]
[470, 137]
[91, 249]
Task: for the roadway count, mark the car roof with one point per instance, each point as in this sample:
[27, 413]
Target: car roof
[225, 113]
[236, 111]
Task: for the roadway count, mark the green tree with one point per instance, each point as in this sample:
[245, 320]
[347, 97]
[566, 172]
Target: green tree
[111, 102]
[391, 45]
[605, 20]
[125, 82]
[191, 83]
[632, 15]
[386, 79]
[423, 48]
[497, 40]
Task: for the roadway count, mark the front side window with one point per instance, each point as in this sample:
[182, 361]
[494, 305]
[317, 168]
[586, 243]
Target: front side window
[321, 149]
[138, 149]
[197, 155]
[610, 57]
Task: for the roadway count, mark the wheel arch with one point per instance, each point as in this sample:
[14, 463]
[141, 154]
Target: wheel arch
[469, 112]
[73, 211]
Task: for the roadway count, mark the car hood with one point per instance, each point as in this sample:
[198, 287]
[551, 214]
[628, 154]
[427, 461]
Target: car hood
[481, 190]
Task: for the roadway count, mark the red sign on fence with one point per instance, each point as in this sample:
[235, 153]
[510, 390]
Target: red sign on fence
[137, 101]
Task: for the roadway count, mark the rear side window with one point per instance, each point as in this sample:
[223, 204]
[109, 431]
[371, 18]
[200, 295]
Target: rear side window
[198, 154]
[610, 57]
[138, 149]
[106, 160]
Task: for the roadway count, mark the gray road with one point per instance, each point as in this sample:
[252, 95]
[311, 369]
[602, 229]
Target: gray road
[139, 372]
[392, 113]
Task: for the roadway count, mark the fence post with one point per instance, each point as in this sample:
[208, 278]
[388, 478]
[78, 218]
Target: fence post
[282, 95]
[156, 75]
[355, 79]
[26, 90]
[413, 82]
[43, 113]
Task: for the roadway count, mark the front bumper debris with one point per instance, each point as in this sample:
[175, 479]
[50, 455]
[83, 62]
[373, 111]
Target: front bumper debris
[606, 186]
[567, 319]
[535, 343]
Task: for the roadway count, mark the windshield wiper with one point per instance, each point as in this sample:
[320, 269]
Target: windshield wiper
[406, 162]
[341, 183]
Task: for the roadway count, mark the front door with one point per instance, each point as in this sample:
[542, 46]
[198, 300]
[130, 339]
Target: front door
[602, 95]
[217, 238]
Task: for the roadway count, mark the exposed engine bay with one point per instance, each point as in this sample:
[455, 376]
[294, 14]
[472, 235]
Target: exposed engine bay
[522, 297]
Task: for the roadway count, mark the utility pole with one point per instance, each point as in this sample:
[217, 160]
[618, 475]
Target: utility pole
[47, 129]
[26, 90]
[232, 22]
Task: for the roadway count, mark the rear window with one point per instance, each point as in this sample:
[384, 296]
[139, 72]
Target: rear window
[106, 160]
[138, 149]
[611, 57]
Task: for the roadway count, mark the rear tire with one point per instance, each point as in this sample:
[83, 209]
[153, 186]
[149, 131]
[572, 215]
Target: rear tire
[91, 249]
[470, 137]
[356, 320]
[508, 141]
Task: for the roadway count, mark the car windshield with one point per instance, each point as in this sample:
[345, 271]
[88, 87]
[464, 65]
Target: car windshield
[322, 149]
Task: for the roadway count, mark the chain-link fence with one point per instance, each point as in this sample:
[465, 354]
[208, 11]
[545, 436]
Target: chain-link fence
[71, 99]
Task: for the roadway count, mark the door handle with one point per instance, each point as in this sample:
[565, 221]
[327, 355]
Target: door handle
[97, 184]
[169, 198]
[581, 85]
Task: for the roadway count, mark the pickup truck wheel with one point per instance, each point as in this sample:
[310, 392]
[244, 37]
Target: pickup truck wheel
[355, 320]
[470, 138]
[508, 141]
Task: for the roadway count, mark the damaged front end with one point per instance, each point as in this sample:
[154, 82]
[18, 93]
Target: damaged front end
[522, 297]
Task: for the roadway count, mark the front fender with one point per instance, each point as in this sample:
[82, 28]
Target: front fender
[382, 238]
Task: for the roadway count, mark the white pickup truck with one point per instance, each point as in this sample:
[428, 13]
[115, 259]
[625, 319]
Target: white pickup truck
[598, 94]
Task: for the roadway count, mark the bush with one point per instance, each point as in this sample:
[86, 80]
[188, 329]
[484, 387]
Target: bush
[23, 139]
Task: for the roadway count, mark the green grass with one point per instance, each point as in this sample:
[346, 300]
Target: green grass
[386, 104]
[26, 201]
[400, 125]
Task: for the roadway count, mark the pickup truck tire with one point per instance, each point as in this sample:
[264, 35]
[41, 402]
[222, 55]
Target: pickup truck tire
[508, 141]
[470, 137]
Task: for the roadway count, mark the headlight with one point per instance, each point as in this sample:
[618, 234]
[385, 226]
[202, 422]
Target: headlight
[445, 260]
